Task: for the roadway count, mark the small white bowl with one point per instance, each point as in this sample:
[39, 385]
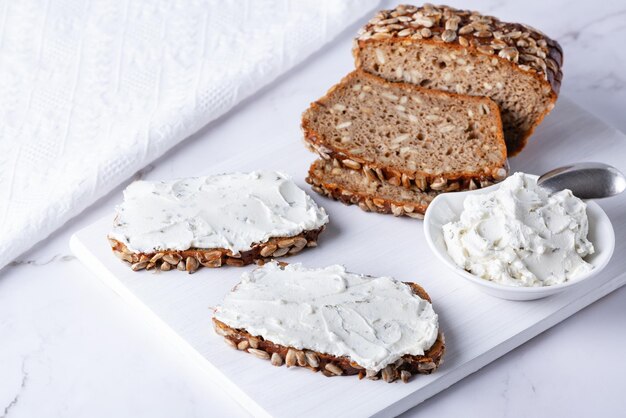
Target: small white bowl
[447, 207]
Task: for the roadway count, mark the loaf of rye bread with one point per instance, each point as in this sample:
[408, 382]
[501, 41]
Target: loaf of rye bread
[408, 135]
[331, 365]
[364, 189]
[462, 51]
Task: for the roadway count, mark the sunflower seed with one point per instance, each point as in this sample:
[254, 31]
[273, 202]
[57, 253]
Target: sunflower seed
[425, 21]
[139, 266]
[510, 53]
[268, 249]
[389, 96]
[276, 360]
[485, 49]
[259, 353]
[371, 374]
[378, 202]
[421, 183]
[299, 243]
[406, 181]
[212, 263]
[439, 184]
[301, 358]
[448, 35]
[344, 125]
[235, 262]
[165, 266]
[172, 258]
[380, 56]
[482, 34]
[388, 21]
[312, 359]
[280, 252]
[351, 164]
[254, 342]
[405, 376]
[379, 36]
[424, 367]
[243, 345]
[499, 174]
[334, 369]
[388, 374]
[394, 180]
[286, 243]
[396, 210]
[191, 264]
[467, 29]
[290, 358]
[415, 215]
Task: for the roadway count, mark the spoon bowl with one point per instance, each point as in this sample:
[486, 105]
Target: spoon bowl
[585, 180]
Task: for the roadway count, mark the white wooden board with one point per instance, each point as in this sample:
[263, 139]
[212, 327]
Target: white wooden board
[478, 328]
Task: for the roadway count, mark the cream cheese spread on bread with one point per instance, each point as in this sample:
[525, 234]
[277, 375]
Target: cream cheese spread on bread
[371, 320]
[229, 211]
[521, 235]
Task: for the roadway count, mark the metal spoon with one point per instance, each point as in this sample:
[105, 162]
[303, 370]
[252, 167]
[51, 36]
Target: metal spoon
[585, 180]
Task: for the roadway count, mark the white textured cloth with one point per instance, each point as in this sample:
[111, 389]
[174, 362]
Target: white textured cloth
[92, 91]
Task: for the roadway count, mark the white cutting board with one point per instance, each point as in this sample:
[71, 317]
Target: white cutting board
[478, 328]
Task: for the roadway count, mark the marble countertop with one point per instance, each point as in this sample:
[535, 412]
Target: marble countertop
[71, 347]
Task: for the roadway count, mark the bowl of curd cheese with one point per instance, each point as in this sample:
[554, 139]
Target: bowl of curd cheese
[517, 241]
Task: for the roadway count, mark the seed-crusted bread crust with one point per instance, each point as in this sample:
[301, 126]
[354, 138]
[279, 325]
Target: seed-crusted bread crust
[526, 51]
[331, 365]
[192, 259]
[480, 138]
[352, 187]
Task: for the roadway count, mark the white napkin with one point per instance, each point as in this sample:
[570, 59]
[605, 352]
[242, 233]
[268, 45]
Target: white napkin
[92, 91]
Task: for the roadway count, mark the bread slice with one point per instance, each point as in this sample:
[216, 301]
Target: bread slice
[367, 191]
[408, 135]
[463, 51]
[230, 219]
[192, 259]
[404, 368]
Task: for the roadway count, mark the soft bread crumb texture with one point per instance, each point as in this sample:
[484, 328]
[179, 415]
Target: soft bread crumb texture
[407, 128]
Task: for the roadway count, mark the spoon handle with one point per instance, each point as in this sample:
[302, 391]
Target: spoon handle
[585, 180]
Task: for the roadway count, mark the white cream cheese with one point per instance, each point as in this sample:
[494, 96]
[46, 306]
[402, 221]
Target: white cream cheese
[521, 235]
[372, 320]
[231, 211]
